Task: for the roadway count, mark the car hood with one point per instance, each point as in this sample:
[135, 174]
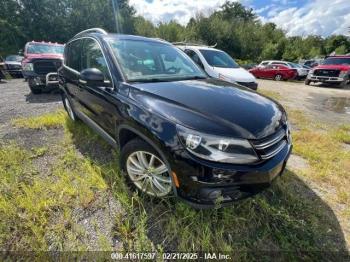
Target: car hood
[211, 106]
[338, 67]
[236, 74]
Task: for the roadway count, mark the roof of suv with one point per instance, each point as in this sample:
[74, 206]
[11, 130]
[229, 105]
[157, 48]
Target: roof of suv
[43, 42]
[120, 37]
[198, 47]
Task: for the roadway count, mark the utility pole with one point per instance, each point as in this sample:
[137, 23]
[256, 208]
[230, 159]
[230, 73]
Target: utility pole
[116, 15]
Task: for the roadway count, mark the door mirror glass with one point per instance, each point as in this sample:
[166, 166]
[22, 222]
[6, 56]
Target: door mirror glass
[92, 75]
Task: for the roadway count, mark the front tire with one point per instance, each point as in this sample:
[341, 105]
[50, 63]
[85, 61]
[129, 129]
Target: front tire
[307, 82]
[145, 169]
[33, 87]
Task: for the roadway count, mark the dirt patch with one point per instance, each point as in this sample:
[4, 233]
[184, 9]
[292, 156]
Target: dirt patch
[321, 103]
[337, 104]
[346, 147]
[31, 138]
[297, 163]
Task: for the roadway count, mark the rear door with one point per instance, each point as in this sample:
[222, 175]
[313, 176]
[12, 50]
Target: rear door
[267, 71]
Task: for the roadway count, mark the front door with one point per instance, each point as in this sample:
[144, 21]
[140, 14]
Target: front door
[97, 97]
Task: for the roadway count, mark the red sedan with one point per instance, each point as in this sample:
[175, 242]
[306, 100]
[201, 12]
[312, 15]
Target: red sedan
[276, 72]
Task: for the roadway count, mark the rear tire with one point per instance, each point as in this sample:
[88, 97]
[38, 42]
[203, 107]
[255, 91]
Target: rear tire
[145, 169]
[307, 82]
[278, 77]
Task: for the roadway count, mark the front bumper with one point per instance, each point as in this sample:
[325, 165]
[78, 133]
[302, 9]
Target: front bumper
[205, 184]
[325, 79]
[49, 80]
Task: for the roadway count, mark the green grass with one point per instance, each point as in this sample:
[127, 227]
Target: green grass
[46, 121]
[33, 206]
[289, 216]
[271, 94]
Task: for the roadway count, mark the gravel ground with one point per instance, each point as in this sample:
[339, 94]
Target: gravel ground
[322, 103]
[16, 100]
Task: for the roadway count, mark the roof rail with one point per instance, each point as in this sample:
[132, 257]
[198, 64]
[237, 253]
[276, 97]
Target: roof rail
[92, 30]
[159, 39]
[193, 44]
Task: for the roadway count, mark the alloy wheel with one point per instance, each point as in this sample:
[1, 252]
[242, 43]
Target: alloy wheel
[278, 77]
[149, 173]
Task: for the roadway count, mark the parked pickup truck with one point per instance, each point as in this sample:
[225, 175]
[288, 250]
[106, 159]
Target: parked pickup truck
[40, 64]
[12, 65]
[334, 69]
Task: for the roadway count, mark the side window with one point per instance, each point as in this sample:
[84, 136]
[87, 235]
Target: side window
[92, 57]
[74, 55]
[194, 57]
[264, 63]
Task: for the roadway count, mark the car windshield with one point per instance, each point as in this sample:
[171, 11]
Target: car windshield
[14, 58]
[337, 61]
[44, 49]
[148, 61]
[218, 59]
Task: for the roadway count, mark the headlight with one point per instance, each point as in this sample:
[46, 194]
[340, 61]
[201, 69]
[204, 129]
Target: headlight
[28, 67]
[217, 148]
[343, 73]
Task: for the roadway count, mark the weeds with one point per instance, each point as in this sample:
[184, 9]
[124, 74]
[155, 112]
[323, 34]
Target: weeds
[46, 121]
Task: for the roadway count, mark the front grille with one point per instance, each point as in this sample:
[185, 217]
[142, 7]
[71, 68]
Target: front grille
[43, 67]
[326, 72]
[271, 145]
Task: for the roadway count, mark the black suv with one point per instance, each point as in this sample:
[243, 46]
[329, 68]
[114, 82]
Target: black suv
[178, 131]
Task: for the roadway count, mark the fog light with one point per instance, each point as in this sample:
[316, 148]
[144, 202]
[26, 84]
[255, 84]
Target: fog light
[214, 194]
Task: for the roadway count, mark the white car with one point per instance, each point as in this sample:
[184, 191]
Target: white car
[218, 64]
[302, 72]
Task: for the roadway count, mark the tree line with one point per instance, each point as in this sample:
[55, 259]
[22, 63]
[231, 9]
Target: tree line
[233, 28]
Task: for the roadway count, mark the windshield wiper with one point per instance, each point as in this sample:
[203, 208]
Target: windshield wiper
[193, 77]
[154, 80]
[150, 80]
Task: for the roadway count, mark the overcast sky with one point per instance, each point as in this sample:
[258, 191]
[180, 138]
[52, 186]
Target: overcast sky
[297, 17]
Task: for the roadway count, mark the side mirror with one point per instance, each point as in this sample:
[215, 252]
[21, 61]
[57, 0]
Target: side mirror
[92, 75]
